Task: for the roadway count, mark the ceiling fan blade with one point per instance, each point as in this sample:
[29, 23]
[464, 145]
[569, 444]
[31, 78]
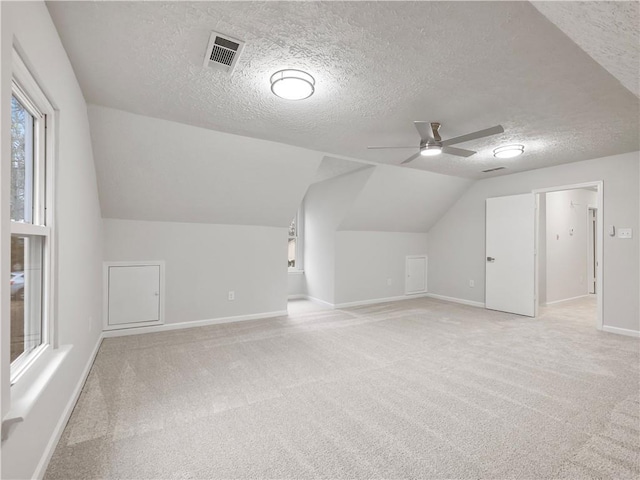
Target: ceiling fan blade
[427, 131]
[411, 158]
[475, 135]
[460, 152]
[382, 148]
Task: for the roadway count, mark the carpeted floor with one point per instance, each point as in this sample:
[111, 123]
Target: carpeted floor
[420, 389]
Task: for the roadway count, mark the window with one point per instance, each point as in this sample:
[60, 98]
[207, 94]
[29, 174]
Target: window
[295, 243]
[30, 219]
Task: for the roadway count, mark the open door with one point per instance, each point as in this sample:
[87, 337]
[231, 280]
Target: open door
[510, 252]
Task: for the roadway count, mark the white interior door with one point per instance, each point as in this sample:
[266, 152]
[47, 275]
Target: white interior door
[416, 275]
[510, 254]
[134, 294]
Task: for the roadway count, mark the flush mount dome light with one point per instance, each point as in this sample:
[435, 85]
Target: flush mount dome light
[431, 150]
[292, 84]
[508, 151]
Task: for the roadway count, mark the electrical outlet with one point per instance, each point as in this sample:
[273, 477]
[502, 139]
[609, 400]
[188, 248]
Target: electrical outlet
[472, 283]
[625, 233]
[388, 281]
[232, 295]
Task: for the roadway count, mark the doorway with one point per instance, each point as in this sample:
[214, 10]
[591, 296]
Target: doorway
[569, 237]
[592, 262]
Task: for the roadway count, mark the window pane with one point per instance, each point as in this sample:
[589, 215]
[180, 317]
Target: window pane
[26, 294]
[292, 228]
[21, 163]
[292, 252]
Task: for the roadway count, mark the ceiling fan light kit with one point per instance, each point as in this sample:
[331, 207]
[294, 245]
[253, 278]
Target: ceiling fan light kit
[292, 84]
[431, 150]
[508, 151]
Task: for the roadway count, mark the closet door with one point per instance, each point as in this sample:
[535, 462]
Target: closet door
[416, 274]
[134, 295]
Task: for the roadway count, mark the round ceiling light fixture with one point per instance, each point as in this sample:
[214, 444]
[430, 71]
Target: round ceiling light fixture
[292, 84]
[431, 150]
[508, 151]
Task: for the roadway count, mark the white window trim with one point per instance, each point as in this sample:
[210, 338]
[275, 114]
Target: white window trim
[27, 90]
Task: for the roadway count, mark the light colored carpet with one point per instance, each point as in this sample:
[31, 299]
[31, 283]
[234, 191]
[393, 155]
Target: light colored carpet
[414, 389]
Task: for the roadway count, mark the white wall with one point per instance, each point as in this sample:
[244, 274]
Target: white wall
[79, 234]
[325, 206]
[296, 284]
[567, 243]
[457, 241]
[366, 260]
[204, 262]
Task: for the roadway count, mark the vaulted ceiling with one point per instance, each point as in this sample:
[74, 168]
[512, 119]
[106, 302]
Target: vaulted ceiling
[152, 169]
[378, 65]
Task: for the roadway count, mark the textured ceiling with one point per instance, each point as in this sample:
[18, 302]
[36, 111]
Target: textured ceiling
[608, 31]
[334, 167]
[378, 67]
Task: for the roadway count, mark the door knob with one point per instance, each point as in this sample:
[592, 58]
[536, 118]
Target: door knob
[491, 259]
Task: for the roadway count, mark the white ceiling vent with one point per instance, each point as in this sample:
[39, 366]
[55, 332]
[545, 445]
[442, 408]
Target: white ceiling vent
[223, 52]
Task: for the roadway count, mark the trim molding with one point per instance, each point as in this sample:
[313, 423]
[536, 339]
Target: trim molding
[57, 432]
[621, 331]
[195, 323]
[380, 300]
[456, 300]
[317, 300]
[566, 300]
[297, 296]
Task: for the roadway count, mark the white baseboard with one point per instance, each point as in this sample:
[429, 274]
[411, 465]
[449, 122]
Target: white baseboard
[548, 304]
[62, 423]
[196, 323]
[621, 331]
[297, 296]
[373, 301]
[456, 300]
[321, 302]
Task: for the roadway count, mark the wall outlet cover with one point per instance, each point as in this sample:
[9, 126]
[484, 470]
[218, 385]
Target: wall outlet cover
[232, 295]
[625, 233]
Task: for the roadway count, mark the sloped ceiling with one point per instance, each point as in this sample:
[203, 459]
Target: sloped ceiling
[331, 167]
[402, 200]
[150, 169]
[608, 31]
[378, 65]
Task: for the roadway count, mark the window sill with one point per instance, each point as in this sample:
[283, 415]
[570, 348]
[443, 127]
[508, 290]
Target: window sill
[31, 384]
[296, 272]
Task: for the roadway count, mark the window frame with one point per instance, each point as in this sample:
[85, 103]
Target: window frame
[299, 237]
[28, 92]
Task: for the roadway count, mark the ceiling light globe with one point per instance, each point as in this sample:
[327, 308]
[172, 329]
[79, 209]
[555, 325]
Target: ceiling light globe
[292, 84]
[431, 150]
[508, 151]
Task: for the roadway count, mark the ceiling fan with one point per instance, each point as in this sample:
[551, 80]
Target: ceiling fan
[432, 144]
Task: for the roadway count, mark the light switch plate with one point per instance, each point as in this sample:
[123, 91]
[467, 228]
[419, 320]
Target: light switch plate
[625, 233]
